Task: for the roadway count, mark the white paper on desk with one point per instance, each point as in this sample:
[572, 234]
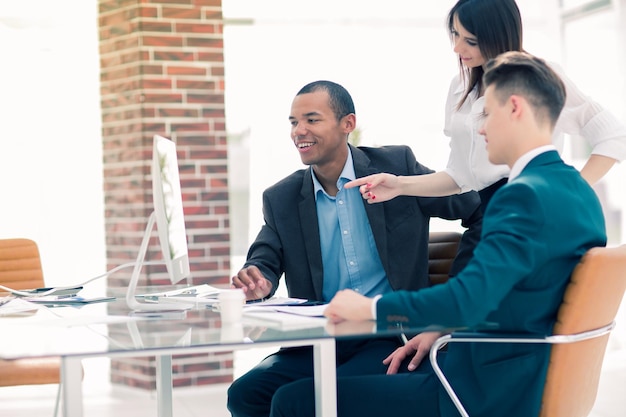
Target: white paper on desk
[277, 301]
[308, 311]
[72, 301]
[266, 316]
[208, 300]
[203, 294]
[196, 291]
[16, 305]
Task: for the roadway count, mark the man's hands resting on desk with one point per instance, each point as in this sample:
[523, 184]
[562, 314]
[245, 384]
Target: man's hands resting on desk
[350, 305]
[252, 282]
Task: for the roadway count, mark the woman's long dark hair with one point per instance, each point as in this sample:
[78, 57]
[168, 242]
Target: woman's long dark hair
[497, 25]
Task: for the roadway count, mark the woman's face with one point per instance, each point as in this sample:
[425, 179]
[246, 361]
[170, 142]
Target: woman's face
[466, 46]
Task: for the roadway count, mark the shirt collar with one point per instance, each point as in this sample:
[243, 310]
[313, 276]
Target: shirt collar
[523, 160]
[347, 174]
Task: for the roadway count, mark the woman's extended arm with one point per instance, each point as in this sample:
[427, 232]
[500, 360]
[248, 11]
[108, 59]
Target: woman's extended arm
[384, 187]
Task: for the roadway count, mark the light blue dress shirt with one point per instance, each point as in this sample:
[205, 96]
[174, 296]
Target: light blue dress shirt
[349, 253]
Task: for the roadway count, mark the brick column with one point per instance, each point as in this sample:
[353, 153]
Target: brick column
[162, 72]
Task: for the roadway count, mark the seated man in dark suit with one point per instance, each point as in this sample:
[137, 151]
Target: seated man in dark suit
[325, 238]
[535, 230]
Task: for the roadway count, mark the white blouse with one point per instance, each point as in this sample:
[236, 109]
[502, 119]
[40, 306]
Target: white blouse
[468, 163]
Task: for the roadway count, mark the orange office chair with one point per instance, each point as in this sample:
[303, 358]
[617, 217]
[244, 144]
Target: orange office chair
[20, 268]
[581, 332]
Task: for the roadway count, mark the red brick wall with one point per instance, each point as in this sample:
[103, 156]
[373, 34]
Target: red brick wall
[162, 72]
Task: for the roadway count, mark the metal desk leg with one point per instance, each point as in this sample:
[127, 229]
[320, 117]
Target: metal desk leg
[164, 385]
[325, 374]
[72, 386]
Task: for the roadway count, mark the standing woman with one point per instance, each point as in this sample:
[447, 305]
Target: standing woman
[481, 30]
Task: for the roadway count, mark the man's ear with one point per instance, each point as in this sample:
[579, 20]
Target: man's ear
[349, 122]
[517, 104]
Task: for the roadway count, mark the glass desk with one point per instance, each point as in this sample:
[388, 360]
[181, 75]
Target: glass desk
[108, 330]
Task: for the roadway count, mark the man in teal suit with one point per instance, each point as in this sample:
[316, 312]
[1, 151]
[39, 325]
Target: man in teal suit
[535, 230]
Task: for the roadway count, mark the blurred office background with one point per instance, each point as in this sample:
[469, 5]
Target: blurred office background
[395, 60]
[394, 57]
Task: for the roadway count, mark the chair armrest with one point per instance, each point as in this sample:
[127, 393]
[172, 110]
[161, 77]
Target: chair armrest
[493, 337]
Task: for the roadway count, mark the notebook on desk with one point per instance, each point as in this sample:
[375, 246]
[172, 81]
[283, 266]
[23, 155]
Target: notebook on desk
[285, 317]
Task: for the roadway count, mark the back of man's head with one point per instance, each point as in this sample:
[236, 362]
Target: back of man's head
[523, 74]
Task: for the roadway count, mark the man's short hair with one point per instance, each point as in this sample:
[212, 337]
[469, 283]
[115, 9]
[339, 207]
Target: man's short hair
[340, 100]
[530, 77]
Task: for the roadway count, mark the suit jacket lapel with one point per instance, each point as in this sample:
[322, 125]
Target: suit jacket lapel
[375, 212]
[310, 231]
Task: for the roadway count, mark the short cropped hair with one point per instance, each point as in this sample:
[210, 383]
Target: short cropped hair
[339, 99]
[530, 77]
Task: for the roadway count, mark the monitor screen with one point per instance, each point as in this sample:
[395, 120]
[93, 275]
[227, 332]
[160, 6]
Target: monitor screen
[168, 208]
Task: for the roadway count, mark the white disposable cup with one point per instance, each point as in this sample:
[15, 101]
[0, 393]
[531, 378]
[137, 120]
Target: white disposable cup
[231, 305]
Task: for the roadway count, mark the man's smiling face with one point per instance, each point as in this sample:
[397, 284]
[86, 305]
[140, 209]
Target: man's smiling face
[318, 136]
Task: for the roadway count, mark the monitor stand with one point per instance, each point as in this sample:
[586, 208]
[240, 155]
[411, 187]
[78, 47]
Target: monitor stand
[131, 301]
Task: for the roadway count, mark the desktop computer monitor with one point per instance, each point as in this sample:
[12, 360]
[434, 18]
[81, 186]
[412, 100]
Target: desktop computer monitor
[168, 208]
[170, 221]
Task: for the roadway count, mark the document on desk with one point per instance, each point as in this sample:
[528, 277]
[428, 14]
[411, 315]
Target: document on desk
[298, 310]
[11, 305]
[208, 297]
[53, 300]
[277, 301]
[203, 294]
[286, 317]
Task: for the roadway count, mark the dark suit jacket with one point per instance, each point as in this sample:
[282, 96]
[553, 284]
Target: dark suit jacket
[289, 241]
[535, 231]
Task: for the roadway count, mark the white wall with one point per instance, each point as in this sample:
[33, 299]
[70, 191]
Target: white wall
[396, 62]
[50, 146]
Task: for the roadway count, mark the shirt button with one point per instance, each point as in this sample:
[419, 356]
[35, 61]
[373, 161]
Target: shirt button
[345, 232]
[351, 263]
[340, 202]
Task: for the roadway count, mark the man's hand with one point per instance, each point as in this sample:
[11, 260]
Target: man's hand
[349, 305]
[253, 283]
[377, 188]
[419, 346]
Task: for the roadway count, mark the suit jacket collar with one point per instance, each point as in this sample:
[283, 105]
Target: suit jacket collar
[523, 160]
[542, 159]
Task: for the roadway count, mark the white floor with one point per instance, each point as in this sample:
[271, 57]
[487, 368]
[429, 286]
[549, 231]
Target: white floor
[104, 400]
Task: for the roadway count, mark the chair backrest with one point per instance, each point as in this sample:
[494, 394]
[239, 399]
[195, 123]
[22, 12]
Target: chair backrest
[20, 268]
[20, 264]
[442, 248]
[591, 301]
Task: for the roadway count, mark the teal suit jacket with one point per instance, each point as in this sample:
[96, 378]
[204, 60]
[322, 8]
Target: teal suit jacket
[535, 231]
